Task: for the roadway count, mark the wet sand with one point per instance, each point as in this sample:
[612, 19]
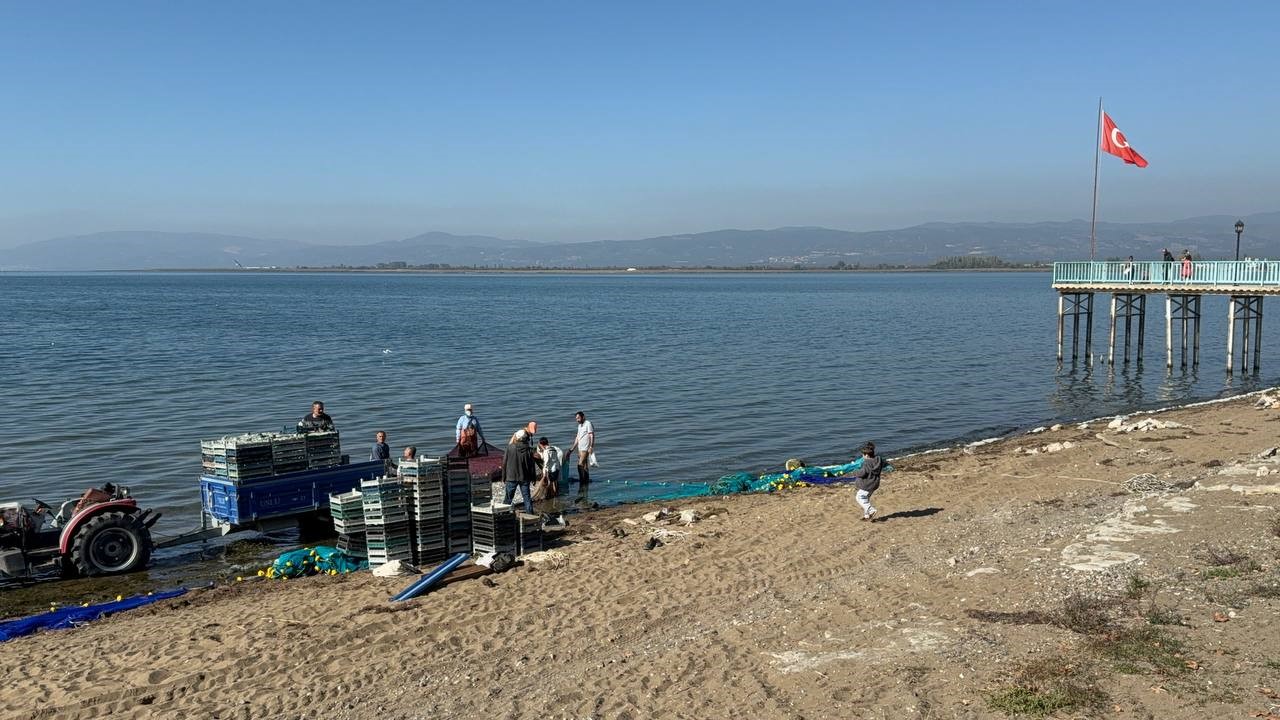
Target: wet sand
[999, 573]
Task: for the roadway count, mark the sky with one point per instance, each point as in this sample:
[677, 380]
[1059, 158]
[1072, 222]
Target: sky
[552, 121]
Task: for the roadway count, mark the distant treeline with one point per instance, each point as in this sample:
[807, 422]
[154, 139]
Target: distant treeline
[973, 262]
[960, 262]
[957, 262]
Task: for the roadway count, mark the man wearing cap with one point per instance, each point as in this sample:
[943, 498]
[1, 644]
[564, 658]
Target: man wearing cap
[467, 432]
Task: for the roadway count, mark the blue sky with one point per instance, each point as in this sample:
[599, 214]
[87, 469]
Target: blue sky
[583, 121]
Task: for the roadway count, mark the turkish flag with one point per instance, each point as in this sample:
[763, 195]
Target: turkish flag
[1114, 142]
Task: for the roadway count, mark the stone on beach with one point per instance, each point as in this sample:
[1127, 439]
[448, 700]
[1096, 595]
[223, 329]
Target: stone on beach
[1145, 425]
[395, 568]
[1052, 447]
[655, 516]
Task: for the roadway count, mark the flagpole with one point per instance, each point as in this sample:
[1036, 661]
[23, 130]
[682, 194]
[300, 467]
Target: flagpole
[1093, 223]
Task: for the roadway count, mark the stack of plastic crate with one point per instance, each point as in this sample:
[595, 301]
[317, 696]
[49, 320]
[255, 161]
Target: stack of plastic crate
[530, 533]
[239, 458]
[386, 520]
[208, 452]
[323, 449]
[347, 511]
[288, 453]
[424, 479]
[457, 505]
[493, 528]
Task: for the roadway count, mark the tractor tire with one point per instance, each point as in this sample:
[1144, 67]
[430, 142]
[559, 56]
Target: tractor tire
[110, 544]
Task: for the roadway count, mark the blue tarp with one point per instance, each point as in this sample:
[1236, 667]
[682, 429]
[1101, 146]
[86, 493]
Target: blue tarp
[69, 617]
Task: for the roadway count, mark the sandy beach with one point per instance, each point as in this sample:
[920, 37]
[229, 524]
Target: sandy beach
[1029, 574]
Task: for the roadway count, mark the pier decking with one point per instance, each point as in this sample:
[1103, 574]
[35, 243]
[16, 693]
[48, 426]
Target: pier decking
[1244, 282]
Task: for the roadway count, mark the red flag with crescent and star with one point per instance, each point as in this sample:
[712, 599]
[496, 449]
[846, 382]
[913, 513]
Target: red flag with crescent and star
[1114, 142]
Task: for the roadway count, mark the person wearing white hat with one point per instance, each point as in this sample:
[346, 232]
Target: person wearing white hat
[467, 432]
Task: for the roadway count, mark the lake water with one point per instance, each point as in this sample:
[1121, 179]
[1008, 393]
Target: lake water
[117, 377]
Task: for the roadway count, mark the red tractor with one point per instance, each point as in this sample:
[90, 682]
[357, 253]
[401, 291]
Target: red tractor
[103, 532]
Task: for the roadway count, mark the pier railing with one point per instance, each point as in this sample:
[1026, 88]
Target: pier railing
[1224, 274]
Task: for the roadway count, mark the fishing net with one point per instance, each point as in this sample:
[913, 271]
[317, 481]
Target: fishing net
[797, 476]
[320, 560]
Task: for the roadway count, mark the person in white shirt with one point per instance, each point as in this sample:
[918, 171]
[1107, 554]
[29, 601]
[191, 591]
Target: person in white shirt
[585, 443]
[548, 485]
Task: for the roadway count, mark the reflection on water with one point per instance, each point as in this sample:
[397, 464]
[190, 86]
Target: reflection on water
[1085, 391]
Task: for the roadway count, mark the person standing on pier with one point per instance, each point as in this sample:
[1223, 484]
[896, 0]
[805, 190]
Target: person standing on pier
[1168, 264]
[1186, 265]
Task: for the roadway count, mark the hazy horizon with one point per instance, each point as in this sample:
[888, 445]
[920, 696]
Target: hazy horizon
[564, 123]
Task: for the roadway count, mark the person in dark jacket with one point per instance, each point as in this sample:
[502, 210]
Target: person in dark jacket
[868, 479]
[518, 469]
[317, 420]
[380, 450]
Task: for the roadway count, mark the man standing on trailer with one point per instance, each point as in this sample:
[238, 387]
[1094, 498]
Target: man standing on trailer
[317, 421]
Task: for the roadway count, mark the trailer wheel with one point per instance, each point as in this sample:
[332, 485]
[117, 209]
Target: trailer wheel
[109, 544]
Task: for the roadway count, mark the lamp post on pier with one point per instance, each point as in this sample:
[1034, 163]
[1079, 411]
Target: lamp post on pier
[1239, 229]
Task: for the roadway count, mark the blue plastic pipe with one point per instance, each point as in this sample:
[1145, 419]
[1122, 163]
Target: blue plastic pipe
[424, 584]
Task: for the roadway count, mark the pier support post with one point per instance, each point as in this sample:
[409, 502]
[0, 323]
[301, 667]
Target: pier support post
[1142, 325]
[1184, 308]
[1125, 307]
[1061, 304]
[1111, 339]
[1231, 332]
[1088, 329]
[1247, 311]
[1077, 305]
[1257, 337]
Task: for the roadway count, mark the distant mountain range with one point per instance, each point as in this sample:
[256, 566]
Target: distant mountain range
[1210, 237]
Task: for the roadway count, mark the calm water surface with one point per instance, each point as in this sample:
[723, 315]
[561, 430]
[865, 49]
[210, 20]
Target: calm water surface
[687, 377]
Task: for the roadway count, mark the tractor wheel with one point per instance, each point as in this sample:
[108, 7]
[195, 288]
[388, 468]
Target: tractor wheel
[109, 544]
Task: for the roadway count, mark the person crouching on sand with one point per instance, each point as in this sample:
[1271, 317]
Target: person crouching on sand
[868, 479]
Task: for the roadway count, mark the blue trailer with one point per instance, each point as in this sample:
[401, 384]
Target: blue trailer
[273, 503]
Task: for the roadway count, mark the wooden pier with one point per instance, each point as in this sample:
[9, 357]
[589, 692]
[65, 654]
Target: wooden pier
[1244, 282]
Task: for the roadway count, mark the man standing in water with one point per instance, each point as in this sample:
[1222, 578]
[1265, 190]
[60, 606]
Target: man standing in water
[585, 442]
[317, 421]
